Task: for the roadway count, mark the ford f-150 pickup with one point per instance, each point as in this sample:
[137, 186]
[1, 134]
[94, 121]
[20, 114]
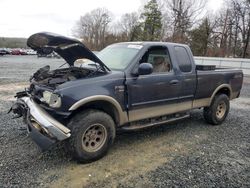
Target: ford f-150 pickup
[126, 86]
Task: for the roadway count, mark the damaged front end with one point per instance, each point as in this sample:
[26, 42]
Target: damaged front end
[41, 105]
[42, 127]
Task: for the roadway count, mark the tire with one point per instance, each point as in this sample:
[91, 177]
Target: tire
[217, 112]
[92, 134]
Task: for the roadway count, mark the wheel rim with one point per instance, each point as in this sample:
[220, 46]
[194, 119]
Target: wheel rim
[221, 110]
[94, 138]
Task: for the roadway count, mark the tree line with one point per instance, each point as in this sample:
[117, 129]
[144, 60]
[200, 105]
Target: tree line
[6, 42]
[222, 34]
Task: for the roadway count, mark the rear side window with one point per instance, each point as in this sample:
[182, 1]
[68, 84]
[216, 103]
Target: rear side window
[183, 59]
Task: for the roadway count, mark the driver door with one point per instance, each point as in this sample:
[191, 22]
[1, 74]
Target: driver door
[154, 94]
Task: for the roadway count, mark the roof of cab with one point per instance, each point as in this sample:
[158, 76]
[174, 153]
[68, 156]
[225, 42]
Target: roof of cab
[152, 43]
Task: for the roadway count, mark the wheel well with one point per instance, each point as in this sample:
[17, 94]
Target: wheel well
[104, 106]
[225, 91]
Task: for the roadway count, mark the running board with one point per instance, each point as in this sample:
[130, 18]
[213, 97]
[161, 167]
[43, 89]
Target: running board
[135, 127]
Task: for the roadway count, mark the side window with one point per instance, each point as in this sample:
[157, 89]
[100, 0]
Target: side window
[183, 59]
[159, 58]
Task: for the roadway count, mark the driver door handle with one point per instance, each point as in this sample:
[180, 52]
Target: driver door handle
[174, 82]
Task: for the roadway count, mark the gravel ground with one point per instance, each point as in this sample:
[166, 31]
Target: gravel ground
[189, 153]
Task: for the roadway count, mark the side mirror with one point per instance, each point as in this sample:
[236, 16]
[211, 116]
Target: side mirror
[145, 68]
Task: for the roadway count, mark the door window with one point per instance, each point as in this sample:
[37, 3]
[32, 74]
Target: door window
[159, 58]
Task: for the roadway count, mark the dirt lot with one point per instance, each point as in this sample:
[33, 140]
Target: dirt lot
[189, 153]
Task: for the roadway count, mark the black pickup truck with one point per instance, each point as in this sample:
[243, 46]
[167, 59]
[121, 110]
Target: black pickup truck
[126, 86]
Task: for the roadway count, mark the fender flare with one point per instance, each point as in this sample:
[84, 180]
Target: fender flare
[123, 118]
[227, 86]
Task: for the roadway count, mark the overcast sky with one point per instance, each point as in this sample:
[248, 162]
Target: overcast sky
[21, 18]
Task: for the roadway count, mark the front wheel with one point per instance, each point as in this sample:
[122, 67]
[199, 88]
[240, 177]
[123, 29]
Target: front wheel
[217, 112]
[92, 133]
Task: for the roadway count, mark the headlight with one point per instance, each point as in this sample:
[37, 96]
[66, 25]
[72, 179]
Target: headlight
[52, 99]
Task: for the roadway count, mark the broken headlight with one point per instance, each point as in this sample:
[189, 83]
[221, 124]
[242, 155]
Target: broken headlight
[52, 99]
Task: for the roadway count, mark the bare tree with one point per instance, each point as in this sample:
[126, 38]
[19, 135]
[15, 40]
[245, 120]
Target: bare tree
[183, 15]
[235, 28]
[243, 9]
[129, 25]
[93, 27]
[226, 33]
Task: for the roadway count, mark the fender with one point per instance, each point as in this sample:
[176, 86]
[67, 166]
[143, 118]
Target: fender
[227, 86]
[123, 117]
[197, 103]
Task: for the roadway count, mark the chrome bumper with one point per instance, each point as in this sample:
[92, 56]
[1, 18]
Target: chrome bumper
[43, 128]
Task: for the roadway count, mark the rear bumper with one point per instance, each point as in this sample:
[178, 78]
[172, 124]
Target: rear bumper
[43, 128]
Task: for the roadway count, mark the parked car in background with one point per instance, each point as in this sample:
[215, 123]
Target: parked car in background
[16, 52]
[48, 55]
[3, 52]
[6, 51]
[53, 55]
[31, 52]
[23, 52]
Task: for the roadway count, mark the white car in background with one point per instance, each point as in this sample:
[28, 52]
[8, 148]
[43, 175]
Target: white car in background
[31, 52]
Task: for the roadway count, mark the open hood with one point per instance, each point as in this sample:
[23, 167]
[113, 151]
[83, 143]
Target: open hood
[68, 48]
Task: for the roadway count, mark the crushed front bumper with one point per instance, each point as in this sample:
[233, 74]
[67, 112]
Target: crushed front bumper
[43, 128]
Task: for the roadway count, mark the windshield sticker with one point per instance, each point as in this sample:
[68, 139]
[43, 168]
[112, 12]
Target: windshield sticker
[135, 46]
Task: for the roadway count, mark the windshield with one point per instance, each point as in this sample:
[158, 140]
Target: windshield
[117, 57]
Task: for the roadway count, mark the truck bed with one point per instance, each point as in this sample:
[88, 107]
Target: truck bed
[208, 81]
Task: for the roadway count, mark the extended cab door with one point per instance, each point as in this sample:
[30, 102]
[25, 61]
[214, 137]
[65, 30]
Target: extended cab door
[155, 94]
[187, 74]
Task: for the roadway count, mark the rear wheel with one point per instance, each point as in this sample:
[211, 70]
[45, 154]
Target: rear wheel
[217, 112]
[92, 133]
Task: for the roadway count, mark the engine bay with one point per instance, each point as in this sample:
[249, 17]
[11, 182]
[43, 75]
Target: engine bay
[52, 78]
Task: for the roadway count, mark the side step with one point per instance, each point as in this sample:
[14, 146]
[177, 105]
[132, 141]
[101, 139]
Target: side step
[137, 125]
